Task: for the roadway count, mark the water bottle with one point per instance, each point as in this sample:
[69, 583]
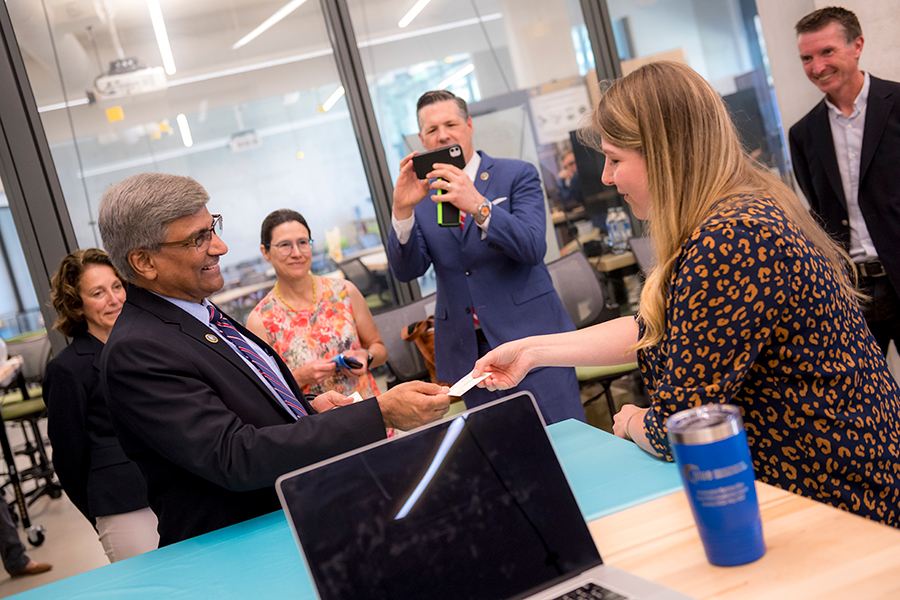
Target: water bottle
[627, 232]
[612, 227]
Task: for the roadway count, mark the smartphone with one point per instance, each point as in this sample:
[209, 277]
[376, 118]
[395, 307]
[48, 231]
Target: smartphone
[342, 361]
[423, 164]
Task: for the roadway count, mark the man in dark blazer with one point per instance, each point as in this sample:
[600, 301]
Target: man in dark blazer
[210, 425]
[492, 284]
[846, 153]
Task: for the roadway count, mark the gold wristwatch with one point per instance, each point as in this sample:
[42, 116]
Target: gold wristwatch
[483, 211]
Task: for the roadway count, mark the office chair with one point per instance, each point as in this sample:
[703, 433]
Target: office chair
[373, 287]
[582, 296]
[23, 404]
[642, 248]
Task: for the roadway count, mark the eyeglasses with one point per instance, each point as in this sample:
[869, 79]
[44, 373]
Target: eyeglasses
[285, 248]
[202, 240]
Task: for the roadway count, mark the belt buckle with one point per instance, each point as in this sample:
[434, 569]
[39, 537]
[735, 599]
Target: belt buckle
[872, 269]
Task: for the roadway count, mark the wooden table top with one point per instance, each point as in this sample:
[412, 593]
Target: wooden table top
[813, 551]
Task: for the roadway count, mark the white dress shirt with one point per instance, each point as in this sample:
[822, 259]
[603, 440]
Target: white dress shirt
[847, 133]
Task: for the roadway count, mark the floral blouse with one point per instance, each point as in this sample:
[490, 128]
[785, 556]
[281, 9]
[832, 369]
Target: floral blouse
[326, 330]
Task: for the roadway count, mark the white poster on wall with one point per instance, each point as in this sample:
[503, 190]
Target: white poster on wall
[557, 113]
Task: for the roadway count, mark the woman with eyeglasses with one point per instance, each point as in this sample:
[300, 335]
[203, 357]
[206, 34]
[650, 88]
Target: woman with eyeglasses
[318, 325]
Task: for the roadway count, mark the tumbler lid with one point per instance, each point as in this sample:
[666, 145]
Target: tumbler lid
[705, 424]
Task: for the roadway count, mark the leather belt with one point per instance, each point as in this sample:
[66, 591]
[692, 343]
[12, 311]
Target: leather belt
[871, 269]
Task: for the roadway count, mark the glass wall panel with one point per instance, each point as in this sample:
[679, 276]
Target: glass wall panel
[242, 96]
[722, 41]
[20, 312]
[524, 67]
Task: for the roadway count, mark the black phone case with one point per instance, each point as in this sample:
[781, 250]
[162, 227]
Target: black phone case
[449, 155]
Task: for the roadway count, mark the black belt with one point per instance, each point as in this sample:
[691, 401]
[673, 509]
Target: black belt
[873, 268]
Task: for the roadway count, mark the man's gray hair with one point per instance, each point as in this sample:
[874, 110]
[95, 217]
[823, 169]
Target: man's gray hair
[136, 213]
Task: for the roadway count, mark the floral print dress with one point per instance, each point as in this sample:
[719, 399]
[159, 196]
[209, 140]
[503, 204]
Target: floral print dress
[324, 331]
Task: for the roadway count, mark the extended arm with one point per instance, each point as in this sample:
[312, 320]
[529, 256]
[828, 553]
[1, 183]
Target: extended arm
[605, 344]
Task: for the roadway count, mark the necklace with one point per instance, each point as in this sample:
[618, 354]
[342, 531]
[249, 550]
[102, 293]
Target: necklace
[291, 308]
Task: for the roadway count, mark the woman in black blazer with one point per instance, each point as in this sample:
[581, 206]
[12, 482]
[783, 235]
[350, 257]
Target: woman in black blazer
[104, 485]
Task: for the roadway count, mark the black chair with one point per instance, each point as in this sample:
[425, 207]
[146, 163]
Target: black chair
[404, 359]
[22, 404]
[373, 287]
[582, 296]
[642, 248]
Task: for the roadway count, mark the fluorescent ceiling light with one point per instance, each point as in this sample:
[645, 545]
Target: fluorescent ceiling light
[279, 15]
[159, 28]
[326, 106]
[456, 76]
[413, 13]
[185, 131]
[300, 57]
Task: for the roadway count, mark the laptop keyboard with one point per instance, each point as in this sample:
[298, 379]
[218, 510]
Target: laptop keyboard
[591, 591]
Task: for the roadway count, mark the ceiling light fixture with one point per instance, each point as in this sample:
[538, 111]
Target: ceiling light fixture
[298, 57]
[413, 13]
[162, 38]
[279, 15]
[456, 76]
[332, 99]
[185, 131]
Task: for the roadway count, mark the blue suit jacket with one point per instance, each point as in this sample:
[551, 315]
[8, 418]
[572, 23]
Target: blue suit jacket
[503, 277]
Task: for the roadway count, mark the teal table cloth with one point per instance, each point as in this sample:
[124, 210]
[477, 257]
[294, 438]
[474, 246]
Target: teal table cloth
[258, 558]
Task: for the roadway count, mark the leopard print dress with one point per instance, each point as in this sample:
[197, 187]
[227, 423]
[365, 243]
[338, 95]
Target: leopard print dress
[756, 318]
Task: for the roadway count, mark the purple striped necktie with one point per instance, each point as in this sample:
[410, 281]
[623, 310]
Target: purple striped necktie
[234, 336]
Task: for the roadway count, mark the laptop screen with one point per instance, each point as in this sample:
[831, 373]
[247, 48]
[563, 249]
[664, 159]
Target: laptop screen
[473, 507]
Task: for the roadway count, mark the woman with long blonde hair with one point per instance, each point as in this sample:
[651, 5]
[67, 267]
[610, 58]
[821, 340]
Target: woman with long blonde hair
[749, 304]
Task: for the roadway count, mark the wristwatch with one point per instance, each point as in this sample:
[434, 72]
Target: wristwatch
[483, 211]
[369, 360]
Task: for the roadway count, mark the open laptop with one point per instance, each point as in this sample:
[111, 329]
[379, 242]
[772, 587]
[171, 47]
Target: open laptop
[473, 507]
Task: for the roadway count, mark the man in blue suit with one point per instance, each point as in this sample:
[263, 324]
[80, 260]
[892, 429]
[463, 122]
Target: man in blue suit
[492, 285]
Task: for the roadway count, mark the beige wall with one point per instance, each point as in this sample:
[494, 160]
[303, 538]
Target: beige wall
[880, 20]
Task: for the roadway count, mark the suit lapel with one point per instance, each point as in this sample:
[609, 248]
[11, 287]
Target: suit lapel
[820, 131]
[878, 110]
[87, 345]
[482, 182]
[193, 328]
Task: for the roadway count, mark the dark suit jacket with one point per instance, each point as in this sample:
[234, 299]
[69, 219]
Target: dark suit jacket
[502, 276]
[91, 465]
[209, 436]
[816, 168]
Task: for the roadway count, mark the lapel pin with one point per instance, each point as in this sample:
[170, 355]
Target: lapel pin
[484, 176]
[211, 338]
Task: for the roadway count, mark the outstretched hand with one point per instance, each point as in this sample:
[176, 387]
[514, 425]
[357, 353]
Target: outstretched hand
[507, 364]
[414, 403]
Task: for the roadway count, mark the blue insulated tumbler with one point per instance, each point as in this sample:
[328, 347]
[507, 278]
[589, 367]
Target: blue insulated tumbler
[710, 448]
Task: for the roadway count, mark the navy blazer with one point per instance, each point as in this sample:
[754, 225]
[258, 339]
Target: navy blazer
[503, 277]
[817, 172]
[208, 434]
[91, 465]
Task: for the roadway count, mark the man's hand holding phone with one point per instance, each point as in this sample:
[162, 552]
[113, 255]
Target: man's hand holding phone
[409, 189]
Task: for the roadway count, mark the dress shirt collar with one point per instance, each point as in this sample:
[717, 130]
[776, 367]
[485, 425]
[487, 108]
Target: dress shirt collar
[472, 166]
[198, 310]
[858, 105]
